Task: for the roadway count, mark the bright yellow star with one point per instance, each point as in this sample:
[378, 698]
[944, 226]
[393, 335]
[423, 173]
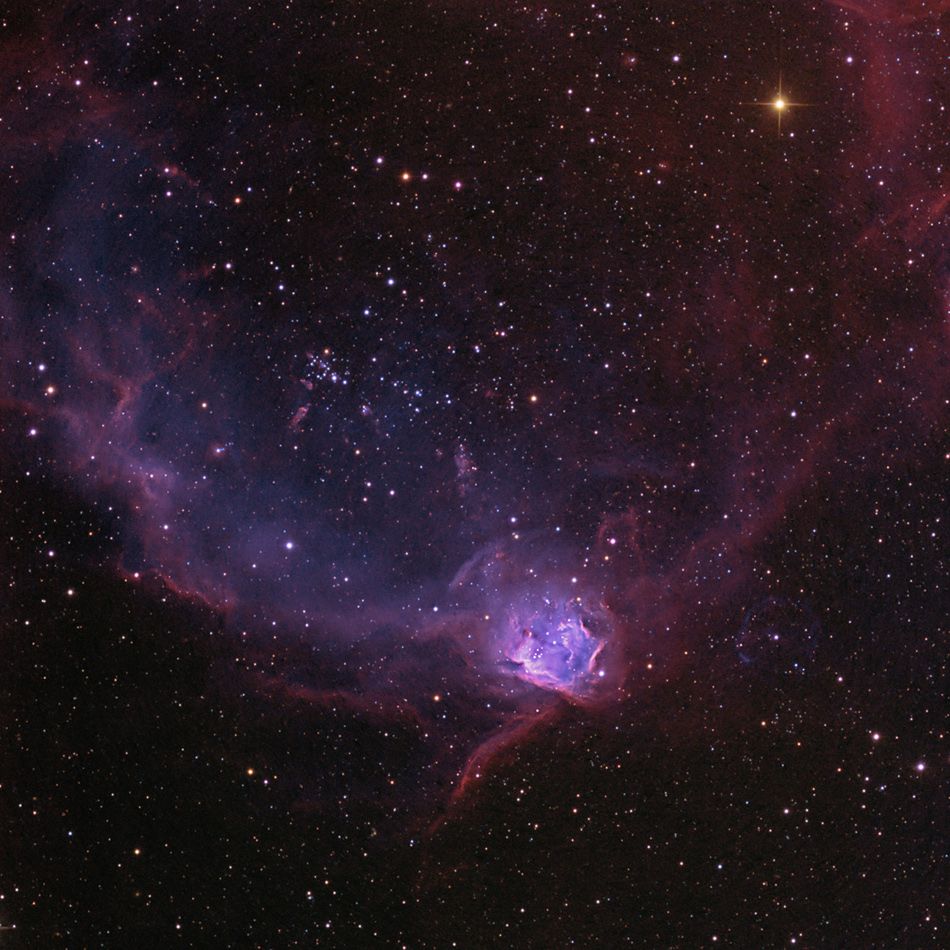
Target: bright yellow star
[779, 104]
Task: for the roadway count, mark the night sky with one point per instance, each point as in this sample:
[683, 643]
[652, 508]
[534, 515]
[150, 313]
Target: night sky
[474, 474]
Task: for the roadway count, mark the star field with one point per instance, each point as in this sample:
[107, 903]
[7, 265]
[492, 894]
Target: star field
[474, 475]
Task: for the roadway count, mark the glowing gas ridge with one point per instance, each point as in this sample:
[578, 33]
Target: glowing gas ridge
[555, 647]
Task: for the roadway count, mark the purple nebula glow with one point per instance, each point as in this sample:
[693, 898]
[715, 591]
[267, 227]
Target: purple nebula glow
[556, 647]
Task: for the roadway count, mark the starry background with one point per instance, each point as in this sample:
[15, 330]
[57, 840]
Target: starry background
[474, 474]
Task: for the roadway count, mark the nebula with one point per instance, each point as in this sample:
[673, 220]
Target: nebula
[555, 648]
[504, 432]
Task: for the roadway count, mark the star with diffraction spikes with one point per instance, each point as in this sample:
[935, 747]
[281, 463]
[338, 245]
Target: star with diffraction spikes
[780, 103]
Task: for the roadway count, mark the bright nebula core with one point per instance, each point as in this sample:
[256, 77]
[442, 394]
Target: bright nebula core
[556, 648]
